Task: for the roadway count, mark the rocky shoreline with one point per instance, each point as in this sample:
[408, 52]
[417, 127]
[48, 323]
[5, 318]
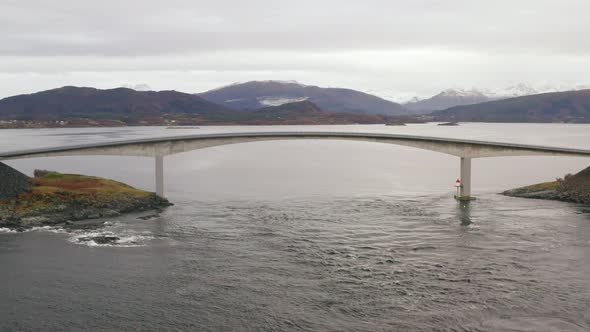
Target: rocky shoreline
[555, 195]
[571, 188]
[61, 199]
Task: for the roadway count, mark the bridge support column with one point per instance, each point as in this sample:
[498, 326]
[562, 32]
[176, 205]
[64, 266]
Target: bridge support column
[160, 176]
[465, 192]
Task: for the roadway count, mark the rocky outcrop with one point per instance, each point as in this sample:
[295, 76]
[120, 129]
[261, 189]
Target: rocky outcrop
[572, 188]
[56, 198]
[70, 207]
[12, 182]
[532, 192]
[556, 195]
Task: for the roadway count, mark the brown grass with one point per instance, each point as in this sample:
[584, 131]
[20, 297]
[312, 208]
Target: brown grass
[553, 185]
[80, 184]
[52, 190]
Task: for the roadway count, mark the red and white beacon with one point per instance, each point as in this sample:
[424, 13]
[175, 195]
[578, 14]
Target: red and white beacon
[458, 186]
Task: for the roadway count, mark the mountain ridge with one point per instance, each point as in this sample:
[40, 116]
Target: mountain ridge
[254, 94]
[446, 99]
[71, 106]
[307, 112]
[566, 106]
[458, 96]
[66, 100]
[87, 106]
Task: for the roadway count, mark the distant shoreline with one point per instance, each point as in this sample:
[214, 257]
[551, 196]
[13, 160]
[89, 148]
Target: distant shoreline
[199, 126]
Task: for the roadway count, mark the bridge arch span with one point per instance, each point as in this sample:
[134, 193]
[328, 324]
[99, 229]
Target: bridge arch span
[163, 146]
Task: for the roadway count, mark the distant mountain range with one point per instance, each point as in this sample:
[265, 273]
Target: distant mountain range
[446, 99]
[127, 106]
[457, 97]
[275, 102]
[568, 106]
[83, 107]
[303, 112]
[258, 94]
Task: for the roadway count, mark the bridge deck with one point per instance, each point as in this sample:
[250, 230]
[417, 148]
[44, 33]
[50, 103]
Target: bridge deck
[385, 138]
[159, 147]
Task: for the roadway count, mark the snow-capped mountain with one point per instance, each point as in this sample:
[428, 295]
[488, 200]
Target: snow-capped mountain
[457, 97]
[277, 101]
[137, 87]
[462, 93]
[525, 89]
[517, 90]
[567, 106]
[445, 99]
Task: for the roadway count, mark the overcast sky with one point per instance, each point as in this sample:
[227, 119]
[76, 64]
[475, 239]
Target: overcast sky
[395, 49]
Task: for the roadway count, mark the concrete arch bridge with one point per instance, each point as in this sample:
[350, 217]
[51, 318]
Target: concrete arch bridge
[160, 147]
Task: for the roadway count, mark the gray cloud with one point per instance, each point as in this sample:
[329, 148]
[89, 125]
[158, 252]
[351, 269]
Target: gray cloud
[108, 27]
[394, 48]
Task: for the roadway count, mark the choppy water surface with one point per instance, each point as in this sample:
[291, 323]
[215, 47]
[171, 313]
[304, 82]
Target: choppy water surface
[307, 235]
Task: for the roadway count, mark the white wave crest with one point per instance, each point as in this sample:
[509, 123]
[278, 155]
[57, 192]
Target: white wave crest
[93, 239]
[4, 230]
[51, 229]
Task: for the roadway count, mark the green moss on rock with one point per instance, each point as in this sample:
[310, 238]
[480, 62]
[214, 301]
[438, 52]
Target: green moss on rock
[56, 198]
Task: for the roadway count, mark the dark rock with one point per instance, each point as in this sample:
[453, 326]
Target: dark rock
[102, 239]
[542, 194]
[12, 182]
[150, 216]
[38, 209]
[572, 188]
[84, 224]
[41, 172]
[109, 213]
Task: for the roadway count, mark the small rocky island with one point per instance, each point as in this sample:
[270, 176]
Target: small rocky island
[570, 188]
[52, 198]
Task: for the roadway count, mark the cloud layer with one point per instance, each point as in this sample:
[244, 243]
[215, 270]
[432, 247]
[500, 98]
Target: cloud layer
[391, 47]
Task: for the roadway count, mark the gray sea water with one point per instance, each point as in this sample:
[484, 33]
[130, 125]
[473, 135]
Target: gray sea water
[311, 236]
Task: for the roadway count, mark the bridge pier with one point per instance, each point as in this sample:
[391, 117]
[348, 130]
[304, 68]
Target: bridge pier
[160, 176]
[465, 176]
[150, 147]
